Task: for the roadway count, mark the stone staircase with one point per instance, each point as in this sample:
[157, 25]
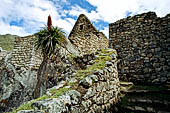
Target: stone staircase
[145, 99]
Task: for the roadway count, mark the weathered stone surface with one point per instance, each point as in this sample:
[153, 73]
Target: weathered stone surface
[142, 43]
[18, 71]
[85, 36]
[3, 53]
[60, 104]
[86, 82]
[100, 95]
[29, 111]
[17, 85]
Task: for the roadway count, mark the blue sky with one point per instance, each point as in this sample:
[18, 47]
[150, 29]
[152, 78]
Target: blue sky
[25, 17]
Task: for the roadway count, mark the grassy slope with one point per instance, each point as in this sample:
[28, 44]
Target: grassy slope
[7, 41]
[103, 56]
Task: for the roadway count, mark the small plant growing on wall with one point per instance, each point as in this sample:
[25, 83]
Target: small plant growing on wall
[47, 40]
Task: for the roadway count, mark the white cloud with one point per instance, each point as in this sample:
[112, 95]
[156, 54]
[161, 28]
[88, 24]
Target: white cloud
[105, 31]
[77, 10]
[161, 7]
[112, 10]
[34, 14]
[65, 24]
[15, 30]
[71, 21]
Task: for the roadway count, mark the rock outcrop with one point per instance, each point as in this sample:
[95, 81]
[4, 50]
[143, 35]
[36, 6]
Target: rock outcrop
[16, 84]
[94, 89]
[18, 71]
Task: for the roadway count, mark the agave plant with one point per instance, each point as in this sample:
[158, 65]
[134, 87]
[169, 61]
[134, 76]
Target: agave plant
[47, 40]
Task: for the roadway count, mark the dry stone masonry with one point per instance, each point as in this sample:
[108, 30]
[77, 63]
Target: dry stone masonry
[3, 53]
[17, 82]
[24, 53]
[89, 82]
[98, 92]
[85, 36]
[143, 45]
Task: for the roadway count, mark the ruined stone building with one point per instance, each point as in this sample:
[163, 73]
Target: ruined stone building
[142, 43]
[24, 53]
[143, 46]
[85, 36]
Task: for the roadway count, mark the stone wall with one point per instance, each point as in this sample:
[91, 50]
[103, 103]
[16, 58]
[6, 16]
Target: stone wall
[24, 53]
[3, 53]
[143, 45]
[85, 36]
[17, 82]
[96, 92]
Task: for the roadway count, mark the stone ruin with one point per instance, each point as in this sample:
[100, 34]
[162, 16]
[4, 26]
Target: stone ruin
[24, 53]
[85, 36]
[2, 53]
[143, 44]
[18, 73]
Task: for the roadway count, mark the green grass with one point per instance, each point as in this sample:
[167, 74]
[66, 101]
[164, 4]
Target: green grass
[59, 92]
[71, 83]
[26, 106]
[55, 94]
[7, 42]
[103, 56]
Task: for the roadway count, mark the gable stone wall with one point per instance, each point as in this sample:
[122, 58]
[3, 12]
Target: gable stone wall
[143, 45]
[85, 36]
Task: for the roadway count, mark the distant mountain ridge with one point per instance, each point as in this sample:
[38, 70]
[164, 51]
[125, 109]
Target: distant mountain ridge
[7, 41]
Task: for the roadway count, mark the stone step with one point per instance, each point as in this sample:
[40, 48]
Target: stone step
[139, 109]
[146, 106]
[125, 86]
[149, 91]
[149, 101]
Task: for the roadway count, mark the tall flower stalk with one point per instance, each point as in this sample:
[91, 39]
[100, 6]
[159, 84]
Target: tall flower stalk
[47, 40]
[49, 23]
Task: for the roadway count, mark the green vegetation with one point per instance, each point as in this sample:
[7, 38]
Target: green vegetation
[71, 83]
[59, 92]
[48, 39]
[99, 63]
[7, 42]
[100, 60]
[55, 94]
[26, 106]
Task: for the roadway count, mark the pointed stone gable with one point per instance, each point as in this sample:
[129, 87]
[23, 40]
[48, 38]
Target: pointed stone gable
[82, 26]
[85, 36]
